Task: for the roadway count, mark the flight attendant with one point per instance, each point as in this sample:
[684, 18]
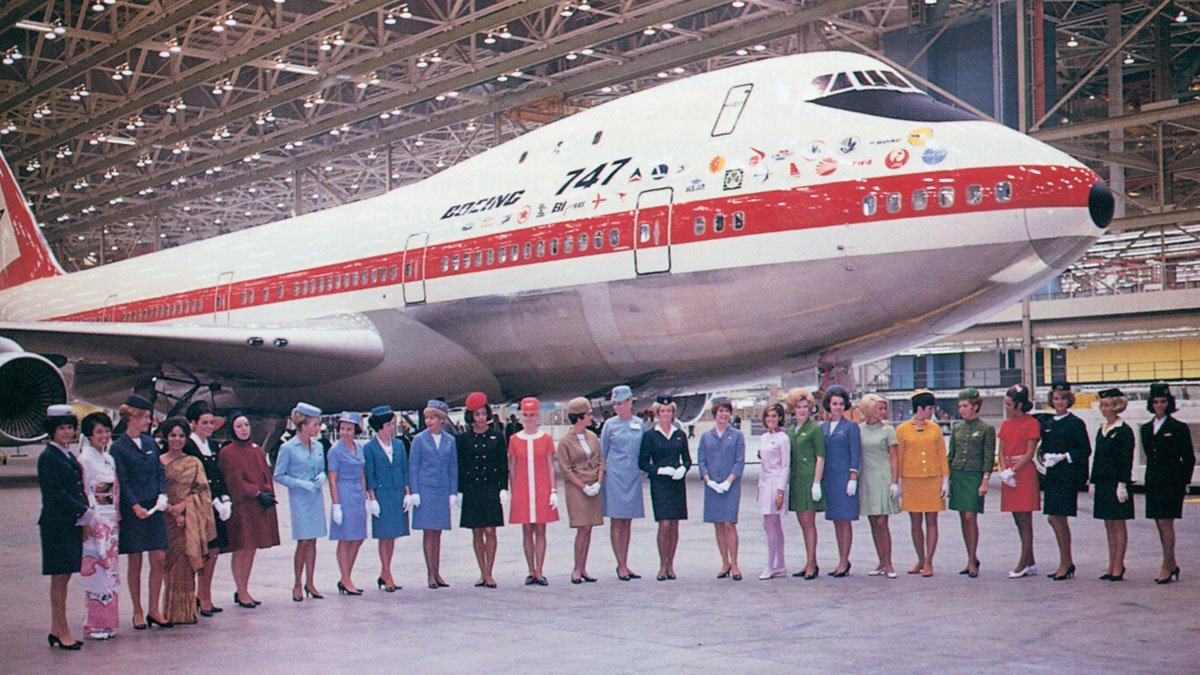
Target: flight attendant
[924, 477]
[807, 469]
[483, 481]
[202, 447]
[348, 492]
[300, 467]
[843, 458]
[254, 521]
[972, 454]
[620, 443]
[64, 520]
[143, 499]
[387, 490]
[101, 569]
[665, 458]
[582, 465]
[433, 484]
[722, 458]
[774, 449]
[879, 480]
[1170, 459]
[1019, 494]
[534, 499]
[190, 521]
[1112, 470]
[1064, 453]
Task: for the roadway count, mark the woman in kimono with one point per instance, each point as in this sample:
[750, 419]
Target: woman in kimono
[666, 459]
[620, 443]
[387, 488]
[433, 483]
[807, 469]
[722, 457]
[254, 521]
[202, 447]
[534, 498]
[190, 522]
[348, 491]
[101, 570]
[483, 482]
[300, 467]
[843, 458]
[582, 466]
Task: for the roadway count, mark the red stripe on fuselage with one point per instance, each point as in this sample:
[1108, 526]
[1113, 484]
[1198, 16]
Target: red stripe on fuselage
[799, 208]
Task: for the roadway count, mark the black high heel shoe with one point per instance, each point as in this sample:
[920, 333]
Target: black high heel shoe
[55, 642]
[313, 594]
[203, 612]
[342, 590]
[1117, 577]
[815, 573]
[245, 605]
[590, 580]
[1167, 579]
[385, 587]
[1067, 575]
[844, 573]
[151, 621]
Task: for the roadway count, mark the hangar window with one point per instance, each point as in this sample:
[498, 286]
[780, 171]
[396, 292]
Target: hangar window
[527, 251]
[491, 256]
[894, 202]
[554, 246]
[614, 237]
[445, 263]
[503, 257]
[870, 203]
[598, 240]
[946, 197]
[512, 253]
[568, 244]
[698, 225]
[731, 109]
[919, 200]
[643, 233]
[974, 194]
[719, 223]
[583, 242]
[1003, 191]
[524, 154]
[596, 138]
[739, 220]
[392, 272]
[541, 248]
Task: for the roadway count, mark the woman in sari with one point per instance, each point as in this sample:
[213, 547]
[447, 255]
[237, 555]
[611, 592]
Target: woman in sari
[100, 572]
[190, 524]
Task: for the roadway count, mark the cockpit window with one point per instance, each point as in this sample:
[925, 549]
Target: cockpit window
[819, 84]
[858, 79]
[841, 83]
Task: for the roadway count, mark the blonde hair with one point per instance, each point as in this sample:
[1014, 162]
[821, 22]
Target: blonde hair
[794, 396]
[128, 412]
[299, 418]
[659, 406]
[869, 401]
[1120, 403]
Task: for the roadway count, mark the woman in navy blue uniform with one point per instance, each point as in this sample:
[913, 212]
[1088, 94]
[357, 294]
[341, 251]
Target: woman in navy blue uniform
[666, 459]
[843, 458]
[1112, 469]
[143, 499]
[483, 480]
[202, 447]
[1064, 453]
[65, 514]
[1170, 459]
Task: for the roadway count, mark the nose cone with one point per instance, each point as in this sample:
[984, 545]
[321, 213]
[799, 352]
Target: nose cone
[1101, 204]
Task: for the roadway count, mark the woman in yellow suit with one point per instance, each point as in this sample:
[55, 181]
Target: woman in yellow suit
[924, 477]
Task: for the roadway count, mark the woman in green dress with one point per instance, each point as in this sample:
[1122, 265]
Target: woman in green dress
[971, 455]
[807, 467]
[879, 480]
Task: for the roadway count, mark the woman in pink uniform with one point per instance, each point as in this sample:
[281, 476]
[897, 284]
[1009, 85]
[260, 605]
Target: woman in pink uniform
[775, 451]
[534, 499]
[1019, 436]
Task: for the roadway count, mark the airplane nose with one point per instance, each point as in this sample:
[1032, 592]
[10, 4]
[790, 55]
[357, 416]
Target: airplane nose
[1101, 204]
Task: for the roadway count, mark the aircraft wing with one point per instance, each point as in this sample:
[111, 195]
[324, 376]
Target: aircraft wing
[303, 353]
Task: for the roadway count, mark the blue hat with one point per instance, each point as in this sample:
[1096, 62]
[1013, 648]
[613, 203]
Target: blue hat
[835, 389]
[382, 411]
[438, 408]
[60, 410]
[139, 402]
[307, 409]
[621, 393]
[351, 417]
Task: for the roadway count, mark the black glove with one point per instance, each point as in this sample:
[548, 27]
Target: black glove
[266, 499]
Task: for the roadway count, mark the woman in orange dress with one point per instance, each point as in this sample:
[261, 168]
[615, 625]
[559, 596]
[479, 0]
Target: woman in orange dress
[924, 477]
[1019, 437]
[190, 523]
[534, 499]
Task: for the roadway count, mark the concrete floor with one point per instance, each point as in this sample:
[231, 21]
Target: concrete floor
[862, 624]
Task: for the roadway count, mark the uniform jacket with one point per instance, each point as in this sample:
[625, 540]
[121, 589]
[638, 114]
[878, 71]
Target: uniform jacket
[1170, 456]
[433, 466]
[380, 472]
[1113, 462]
[60, 477]
[573, 460]
[139, 472]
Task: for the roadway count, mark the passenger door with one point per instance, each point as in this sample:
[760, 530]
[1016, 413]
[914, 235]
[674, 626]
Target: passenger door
[413, 287]
[652, 231]
[221, 295]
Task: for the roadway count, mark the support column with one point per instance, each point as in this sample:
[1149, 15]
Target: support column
[388, 164]
[1027, 374]
[297, 193]
[1022, 68]
[1116, 107]
[997, 63]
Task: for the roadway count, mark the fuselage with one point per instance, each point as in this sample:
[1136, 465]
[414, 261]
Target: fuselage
[718, 229]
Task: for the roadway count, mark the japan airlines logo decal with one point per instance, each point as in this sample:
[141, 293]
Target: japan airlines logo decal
[733, 179]
[896, 158]
[827, 166]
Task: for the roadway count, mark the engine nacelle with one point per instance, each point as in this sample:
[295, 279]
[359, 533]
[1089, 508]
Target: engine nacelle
[29, 383]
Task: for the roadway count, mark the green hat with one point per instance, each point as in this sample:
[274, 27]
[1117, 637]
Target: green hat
[968, 394]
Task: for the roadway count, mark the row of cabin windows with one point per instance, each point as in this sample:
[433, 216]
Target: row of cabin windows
[166, 311]
[337, 282]
[894, 201]
[503, 254]
[700, 224]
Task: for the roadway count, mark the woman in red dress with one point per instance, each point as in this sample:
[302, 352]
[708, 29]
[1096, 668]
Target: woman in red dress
[534, 498]
[254, 523]
[1019, 436]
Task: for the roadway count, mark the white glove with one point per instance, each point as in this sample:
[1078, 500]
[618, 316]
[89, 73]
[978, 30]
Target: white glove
[713, 485]
[945, 487]
[1122, 493]
[554, 500]
[1050, 459]
[321, 479]
[224, 509]
[455, 500]
[851, 487]
[161, 504]
[415, 500]
[505, 498]
[337, 514]
[816, 492]
[665, 471]
[406, 503]
[679, 473]
[1008, 477]
[894, 490]
[373, 508]
[1041, 468]
[726, 484]
[87, 518]
[306, 485]
[591, 490]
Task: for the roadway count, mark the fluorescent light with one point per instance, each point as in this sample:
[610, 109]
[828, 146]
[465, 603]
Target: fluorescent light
[38, 26]
[119, 140]
[296, 68]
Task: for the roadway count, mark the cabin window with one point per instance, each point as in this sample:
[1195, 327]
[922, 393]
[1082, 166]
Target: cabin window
[719, 223]
[554, 246]
[374, 276]
[731, 109]
[541, 248]
[479, 258]
[345, 281]
[568, 244]
[321, 285]
[408, 270]
[739, 220]
[946, 197]
[337, 281]
[870, 203]
[491, 256]
[265, 296]
[643, 233]
[894, 202]
[512, 253]
[698, 224]
[974, 194]
[445, 267]
[296, 289]
[454, 262]
[583, 242]
[467, 260]
[526, 251]
[392, 272]
[920, 200]
[596, 138]
[1003, 191]
[614, 237]
[503, 255]
[598, 240]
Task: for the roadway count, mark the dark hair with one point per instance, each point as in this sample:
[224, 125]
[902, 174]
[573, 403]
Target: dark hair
[778, 408]
[1020, 396]
[93, 420]
[167, 426]
[1171, 408]
[575, 417]
[724, 403]
[53, 423]
[232, 417]
[376, 422]
[197, 410]
[842, 394]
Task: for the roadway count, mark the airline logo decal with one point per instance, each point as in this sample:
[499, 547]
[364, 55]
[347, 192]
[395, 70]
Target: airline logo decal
[814, 151]
[886, 141]
[733, 179]
[716, 164]
[696, 185]
[485, 204]
[793, 169]
[598, 201]
[918, 137]
[781, 155]
[757, 157]
[896, 158]
[935, 153]
[523, 215]
[636, 176]
[659, 172]
[762, 173]
[827, 166]
[849, 145]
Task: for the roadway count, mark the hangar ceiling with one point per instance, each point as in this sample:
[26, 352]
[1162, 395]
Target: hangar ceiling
[140, 124]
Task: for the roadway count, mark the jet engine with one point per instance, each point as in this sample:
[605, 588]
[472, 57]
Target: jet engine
[29, 383]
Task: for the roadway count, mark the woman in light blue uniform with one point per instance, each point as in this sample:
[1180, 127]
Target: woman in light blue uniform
[300, 468]
[433, 482]
[387, 488]
[722, 457]
[348, 490]
[621, 442]
[843, 457]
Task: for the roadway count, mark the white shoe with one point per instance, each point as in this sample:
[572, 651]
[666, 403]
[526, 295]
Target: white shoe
[100, 635]
[876, 573]
[767, 574]
[1027, 572]
[890, 575]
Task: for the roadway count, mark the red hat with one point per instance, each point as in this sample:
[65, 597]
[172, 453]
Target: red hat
[530, 405]
[475, 401]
